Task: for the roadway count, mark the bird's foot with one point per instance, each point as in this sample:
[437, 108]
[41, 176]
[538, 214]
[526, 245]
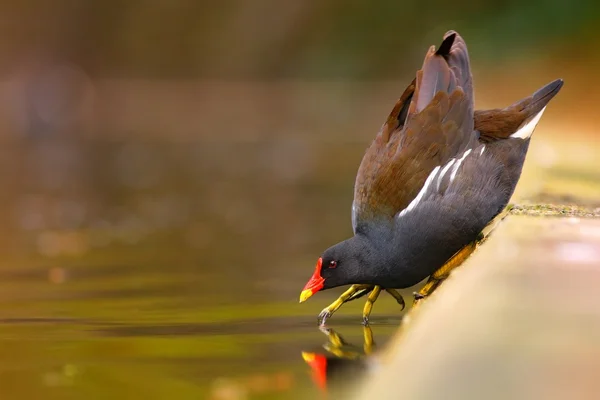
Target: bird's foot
[323, 316]
[441, 274]
[399, 299]
[352, 293]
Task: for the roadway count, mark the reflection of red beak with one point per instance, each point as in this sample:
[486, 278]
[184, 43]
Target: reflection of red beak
[314, 284]
[318, 364]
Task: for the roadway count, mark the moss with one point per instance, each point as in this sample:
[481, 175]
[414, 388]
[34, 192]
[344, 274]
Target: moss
[552, 210]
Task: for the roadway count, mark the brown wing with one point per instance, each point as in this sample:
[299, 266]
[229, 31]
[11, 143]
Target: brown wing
[430, 124]
[501, 123]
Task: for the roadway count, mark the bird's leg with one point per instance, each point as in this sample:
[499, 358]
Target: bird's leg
[369, 304]
[394, 293]
[360, 293]
[438, 276]
[354, 292]
[432, 283]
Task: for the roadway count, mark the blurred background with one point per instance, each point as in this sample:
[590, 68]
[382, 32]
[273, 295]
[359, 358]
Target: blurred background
[171, 170]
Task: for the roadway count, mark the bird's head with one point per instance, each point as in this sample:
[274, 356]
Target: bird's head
[342, 264]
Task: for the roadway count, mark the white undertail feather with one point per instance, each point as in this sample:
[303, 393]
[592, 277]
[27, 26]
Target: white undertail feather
[527, 130]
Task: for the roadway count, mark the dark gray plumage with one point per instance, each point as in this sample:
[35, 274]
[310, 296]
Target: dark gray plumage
[434, 177]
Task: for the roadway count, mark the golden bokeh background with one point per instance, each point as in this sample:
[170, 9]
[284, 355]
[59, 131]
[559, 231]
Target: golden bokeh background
[171, 170]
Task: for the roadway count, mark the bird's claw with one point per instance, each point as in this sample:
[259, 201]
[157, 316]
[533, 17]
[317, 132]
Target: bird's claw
[365, 321]
[323, 316]
[399, 299]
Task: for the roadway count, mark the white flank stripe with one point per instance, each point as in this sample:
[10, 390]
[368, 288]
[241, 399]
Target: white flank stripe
[443, 172]
[417, 199]
[527, 130]
[482, 149]
[453, 163]
[457, 165]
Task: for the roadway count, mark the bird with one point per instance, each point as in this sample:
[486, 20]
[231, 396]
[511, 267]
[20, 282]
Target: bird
[436, 176]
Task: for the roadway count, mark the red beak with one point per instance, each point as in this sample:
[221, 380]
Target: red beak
[314, 284]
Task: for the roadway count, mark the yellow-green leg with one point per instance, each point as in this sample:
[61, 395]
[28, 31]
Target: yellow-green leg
[369, 304]
[441, 274]
[348, 295]
[354, 292]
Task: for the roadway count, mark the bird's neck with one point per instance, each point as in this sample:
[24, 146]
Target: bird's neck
[379, 253]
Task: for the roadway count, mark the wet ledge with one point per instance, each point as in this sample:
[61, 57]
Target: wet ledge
[520, 319]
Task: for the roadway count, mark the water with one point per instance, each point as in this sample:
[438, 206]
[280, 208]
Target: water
[171, 267]
[159, 269]
[97, 331]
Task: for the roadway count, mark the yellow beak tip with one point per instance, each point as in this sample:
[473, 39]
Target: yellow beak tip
[305, 295]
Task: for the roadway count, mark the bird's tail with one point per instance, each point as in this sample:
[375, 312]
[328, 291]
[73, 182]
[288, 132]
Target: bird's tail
[518, 120]
[444, 69]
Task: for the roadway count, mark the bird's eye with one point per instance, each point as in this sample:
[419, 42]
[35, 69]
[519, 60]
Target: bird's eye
[332, 264]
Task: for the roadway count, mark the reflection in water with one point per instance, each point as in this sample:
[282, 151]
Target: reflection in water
[344, 363]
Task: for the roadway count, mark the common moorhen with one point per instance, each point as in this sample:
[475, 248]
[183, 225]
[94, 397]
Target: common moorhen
[435, 176]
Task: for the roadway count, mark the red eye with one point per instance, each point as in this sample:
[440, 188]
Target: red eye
[332, 264]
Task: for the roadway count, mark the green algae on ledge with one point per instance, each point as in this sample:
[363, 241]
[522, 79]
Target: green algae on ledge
[553, 210]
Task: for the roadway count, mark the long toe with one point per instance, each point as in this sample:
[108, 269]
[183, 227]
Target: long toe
[323, 316]
[399, 299]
